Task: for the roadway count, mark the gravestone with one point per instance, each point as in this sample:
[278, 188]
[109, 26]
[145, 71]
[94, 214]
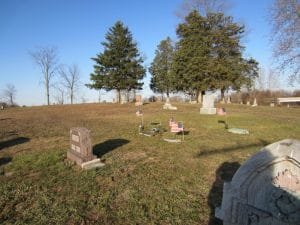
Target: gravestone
[138, 100]
[254, 103]
[266, 189]
[81, 146]
[229, 100]
[208, 105]
[168, 105]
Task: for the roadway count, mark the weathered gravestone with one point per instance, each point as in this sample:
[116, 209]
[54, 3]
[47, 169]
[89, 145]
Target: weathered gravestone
[138, 100]
[208, 105]
[81, 151]
[266, 189]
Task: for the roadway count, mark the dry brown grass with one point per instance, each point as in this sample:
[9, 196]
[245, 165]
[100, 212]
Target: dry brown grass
[145, 180]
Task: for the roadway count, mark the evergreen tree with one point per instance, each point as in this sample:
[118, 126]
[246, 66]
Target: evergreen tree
[227, 64]
[162, 80]
[191, 59]
[228, 67]
[119, 67]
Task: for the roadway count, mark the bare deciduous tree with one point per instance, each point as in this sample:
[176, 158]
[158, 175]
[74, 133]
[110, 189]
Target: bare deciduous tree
[285, 20]
[202, 6]
[47, 60]
[60, 94]
[9, 94]
[70, 79]
[267, 80]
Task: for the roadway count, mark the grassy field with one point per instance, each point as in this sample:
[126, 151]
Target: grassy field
[145, 180]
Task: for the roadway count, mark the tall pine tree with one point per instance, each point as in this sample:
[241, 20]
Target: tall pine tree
[227, 64]
[119, 67]
[228, 68]
[191, 59]
[162, 80]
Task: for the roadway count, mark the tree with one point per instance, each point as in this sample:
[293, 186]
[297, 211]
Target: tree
[285, 20]
[60, 94]
[47, 60]
[204, 7]
[9, 94]
[209, 55]
[70, 79]
[162, 80]
[191, 58]
[227, 66]
[119, 67]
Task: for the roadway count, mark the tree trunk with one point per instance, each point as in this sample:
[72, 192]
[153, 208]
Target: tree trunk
[47, 92]
[198, 95]
[223, 93]
[11, 100]
[71, 97]
[119, 96]
[127, 95]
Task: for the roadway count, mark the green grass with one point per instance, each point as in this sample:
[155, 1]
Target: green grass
[145, 180]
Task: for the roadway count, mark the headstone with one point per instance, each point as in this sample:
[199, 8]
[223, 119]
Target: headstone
[266, 189]
[228, 100]
[254, 103]
[138, 100]
[248, 103]
[208, 105]
[222, 101]
[168, 105]
[272, 104]
[81, 151]
[221, 111]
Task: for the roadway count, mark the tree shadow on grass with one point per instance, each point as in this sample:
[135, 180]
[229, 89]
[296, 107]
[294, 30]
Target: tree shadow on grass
[12, 142]
[223, 174]
[5, 160]
[107, 146]
[207, 152]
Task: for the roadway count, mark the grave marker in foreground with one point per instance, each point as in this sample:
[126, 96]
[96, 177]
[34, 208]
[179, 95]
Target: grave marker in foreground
[81, 151]
[266, 189]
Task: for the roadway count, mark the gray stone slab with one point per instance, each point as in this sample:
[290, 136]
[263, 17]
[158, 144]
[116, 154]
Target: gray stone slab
[209, 111]
[266, 189]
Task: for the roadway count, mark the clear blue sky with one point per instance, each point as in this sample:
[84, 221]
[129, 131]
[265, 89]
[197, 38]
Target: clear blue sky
[77, 28]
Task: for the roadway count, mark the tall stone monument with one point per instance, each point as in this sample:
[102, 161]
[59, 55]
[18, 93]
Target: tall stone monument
[208, 105]
[266, 189]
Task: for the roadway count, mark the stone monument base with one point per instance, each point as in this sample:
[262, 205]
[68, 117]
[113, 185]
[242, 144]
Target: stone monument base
[169, 106]
[210, 111]
[95, 163]
[79, 159]
[138, 103]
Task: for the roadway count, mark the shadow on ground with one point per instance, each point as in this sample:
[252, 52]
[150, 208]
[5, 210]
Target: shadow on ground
[223, 174]
[206, 152]
[5, 160]
[107, 146]
[12, 142]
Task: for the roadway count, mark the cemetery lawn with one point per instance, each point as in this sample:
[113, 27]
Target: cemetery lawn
[145, 180]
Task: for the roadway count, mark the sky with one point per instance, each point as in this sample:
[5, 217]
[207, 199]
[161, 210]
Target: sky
[77, 28]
